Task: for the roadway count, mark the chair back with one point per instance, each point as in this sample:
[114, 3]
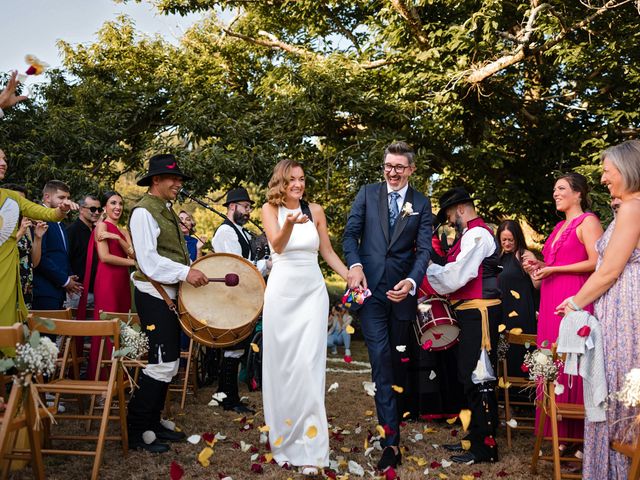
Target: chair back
[522, 339]
[77, 328]
[10, 336]
[66, 314]
[126, 317]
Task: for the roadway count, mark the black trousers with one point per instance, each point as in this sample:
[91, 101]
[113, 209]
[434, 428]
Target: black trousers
[481, 398]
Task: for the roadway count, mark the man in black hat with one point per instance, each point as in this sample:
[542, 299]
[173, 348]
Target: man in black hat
[232, 237]
[162, 263]
[470, 279]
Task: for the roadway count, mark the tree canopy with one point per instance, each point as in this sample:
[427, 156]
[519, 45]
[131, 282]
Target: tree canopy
[494, 95]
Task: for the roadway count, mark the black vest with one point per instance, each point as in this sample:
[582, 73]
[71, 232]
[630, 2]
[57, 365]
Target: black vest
[242, 239]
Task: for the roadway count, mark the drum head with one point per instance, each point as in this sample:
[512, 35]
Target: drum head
[217, 305]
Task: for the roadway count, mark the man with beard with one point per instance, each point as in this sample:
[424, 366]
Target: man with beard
[470, 279]
[232, 237]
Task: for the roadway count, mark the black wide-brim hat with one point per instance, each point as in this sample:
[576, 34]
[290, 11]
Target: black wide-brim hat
[236, 195]
[452, 197]
[163, 164]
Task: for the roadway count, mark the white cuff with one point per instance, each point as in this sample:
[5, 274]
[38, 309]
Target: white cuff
[412, 292]
[355, 265]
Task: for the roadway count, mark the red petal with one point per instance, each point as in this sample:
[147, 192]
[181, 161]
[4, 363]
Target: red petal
[285, 465]
[489, 441]
[31, 70]
[175, 471]
[254, 449]
[348, 359]
[427, 345]
[524, 368]
[454, 433]
[390, 474]
[330, 474]
[584, 331]
[435, 465]
[208, 437]
[477, 474]
[235, 445]
[388, 431]
[254, 384]
[256, 468]
[502, 473]
[404, 359]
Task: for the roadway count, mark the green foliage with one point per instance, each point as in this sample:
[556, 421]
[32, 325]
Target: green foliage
[330, 83]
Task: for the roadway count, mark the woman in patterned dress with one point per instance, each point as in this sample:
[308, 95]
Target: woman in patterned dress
[614, 290]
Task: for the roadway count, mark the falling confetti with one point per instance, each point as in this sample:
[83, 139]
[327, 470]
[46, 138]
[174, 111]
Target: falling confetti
[401, 348]
[515, 294]
[432, 375]
[254, 347]
[350, 330]
[515, 331]
[333, 387]
[512, 314]
[151, 328]
[466, 444]
[397, 388]
[513, 423]
[465, 418]
[427, 345]
[501, 328]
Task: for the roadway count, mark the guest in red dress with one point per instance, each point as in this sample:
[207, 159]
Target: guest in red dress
[112, 291]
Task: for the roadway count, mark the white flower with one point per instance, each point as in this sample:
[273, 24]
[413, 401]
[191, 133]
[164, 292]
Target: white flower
[541, 358]
[629, 394]
[407, 209]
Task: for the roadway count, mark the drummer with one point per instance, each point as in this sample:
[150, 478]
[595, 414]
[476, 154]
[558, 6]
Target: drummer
[162, 263]
[232, 237]
[470, 278]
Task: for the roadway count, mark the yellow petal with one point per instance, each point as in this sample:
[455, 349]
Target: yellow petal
[467, 477]
[397, 388]
[268, 457]
[430, 430]
[151, 328]
[345, 449]
[264, 428]
[288, 421]
[466, 444]
[255, 348]
[350, 330]
[465, 418]
[406, 414]
[278, 441]
[366, 443]
[515, 331]
[442, 476]
[451, 421]
[513, 314]
[312, 431]
[380, 431]
[515, 294]
[501, 328]
[503, 384]
[204, 456]
[368, 413]
[421, 461]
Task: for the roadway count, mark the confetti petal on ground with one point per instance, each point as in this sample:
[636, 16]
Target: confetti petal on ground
[194, 439]
[501, 328]
[401, 348]
[515, 294]
[208, 437]
[429, 430]
[151, 328]
[255, 347]
[442, 476]
[220, 437]
[390, 474]
[355, 468]
[397, 388]
[350, 330]
[256, 468]
[368, 413]
[406, 414]
[432, 375]
[513, 423]
[264, 428]
[175, 471]
[445, 463]
[451, 421]
[467, 477]
[380, 431]
[244, 446]
[333, 387]
[465, 418]
[204, 456]
[312, 431]
[370, 388]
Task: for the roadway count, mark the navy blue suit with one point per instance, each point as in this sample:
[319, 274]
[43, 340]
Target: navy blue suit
[388, 257]
[53, 271]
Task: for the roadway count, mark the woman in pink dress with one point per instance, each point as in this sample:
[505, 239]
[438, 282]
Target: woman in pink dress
[111, 289]
[569, 257]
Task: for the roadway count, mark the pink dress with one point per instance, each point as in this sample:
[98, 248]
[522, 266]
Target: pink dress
[618, 310]
[565, 250]
[111, 292]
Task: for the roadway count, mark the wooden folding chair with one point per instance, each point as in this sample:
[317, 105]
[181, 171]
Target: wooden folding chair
[632, 451]
[110, 388]
[187, 377]
[516, 382]
[19, 413]
[555, 411]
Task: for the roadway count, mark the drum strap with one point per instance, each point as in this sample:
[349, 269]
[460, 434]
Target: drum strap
[163, 293]
[483, 305]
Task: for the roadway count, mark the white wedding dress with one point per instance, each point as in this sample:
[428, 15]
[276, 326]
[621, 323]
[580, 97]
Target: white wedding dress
[296, 309]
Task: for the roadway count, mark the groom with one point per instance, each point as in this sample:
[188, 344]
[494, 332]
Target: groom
[387, 243]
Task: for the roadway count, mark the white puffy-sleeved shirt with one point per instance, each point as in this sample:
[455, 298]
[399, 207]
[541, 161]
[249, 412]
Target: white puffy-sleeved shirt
[225, 240]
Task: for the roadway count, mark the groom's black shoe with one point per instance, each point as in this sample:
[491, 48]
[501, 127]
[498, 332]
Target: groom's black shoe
[469, 457]
[453, 447]
[389, 458]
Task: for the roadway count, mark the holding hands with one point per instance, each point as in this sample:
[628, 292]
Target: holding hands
[356, 278]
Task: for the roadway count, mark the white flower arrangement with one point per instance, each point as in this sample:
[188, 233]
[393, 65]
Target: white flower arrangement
[407, 210]
[540, 366]
[629, 394]
[35, 357]
[503, 347]
[133, 342]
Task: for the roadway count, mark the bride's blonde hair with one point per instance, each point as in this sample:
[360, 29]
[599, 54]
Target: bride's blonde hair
[279, 181]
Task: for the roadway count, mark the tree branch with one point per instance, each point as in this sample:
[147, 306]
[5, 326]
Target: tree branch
[523, 51]
[412, 18]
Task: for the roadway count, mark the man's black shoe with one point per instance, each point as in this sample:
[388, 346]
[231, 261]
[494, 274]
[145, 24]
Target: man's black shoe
[154, 447]
[166, 435]
[467, 457]
[453, 447]
[389, 458]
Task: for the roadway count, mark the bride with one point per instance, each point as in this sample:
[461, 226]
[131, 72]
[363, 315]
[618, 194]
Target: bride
[296, 306]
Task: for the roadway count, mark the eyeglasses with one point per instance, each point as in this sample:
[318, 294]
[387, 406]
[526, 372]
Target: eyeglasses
[387, 167]
[247, 206]
[94, 209]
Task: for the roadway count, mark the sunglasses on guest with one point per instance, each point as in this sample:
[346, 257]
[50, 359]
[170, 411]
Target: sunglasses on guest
[94, 209]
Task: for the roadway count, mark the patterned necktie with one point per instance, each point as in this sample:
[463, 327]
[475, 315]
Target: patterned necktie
[393, 208]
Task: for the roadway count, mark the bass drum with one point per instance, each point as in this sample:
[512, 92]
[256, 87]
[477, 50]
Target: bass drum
[216, 315]
[436, 322]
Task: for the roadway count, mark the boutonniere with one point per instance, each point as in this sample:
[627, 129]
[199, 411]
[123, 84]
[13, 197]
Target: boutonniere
[407, 210]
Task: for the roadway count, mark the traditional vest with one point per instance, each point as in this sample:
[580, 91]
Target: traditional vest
[485, 285]
[171, 243]
[242, 239]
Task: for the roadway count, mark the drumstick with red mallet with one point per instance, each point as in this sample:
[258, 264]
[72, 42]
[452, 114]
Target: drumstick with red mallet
[230, 279]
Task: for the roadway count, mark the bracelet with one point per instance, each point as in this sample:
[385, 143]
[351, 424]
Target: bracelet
[573, 305]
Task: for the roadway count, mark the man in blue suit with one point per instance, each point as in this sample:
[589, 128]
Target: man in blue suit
[387, 244]
[53, 278]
